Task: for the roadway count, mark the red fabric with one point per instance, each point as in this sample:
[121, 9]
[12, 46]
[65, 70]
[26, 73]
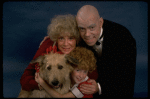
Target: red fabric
[37, 67]
[93, 75]
[85, 95]
[27, 80]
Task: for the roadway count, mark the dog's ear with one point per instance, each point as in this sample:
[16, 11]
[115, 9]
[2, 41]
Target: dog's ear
[38, 60]
[71, 60]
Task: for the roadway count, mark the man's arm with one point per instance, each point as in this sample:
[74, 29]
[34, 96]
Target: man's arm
[118, 71]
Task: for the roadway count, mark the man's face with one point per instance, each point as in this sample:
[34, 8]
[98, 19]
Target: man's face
[89, 29]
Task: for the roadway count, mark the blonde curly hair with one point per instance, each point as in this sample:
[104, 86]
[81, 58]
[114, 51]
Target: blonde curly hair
[63, 24]
[86, 58]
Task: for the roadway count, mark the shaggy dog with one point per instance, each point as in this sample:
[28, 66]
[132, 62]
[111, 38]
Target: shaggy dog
[55, 69]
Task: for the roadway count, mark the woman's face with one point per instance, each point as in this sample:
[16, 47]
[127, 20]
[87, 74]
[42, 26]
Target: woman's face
[66, 43]
[78, 75]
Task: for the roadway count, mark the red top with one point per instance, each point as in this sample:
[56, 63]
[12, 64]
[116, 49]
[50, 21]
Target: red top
[28, 78]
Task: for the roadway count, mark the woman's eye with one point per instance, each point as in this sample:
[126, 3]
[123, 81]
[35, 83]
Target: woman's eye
[71, 38]
[81, 29]
[77, 70]
[60, 38]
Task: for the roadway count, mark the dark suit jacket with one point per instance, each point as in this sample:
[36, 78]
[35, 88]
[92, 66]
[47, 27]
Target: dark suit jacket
[116, 66]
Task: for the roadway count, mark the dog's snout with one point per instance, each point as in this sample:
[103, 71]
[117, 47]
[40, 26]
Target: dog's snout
[55, 82]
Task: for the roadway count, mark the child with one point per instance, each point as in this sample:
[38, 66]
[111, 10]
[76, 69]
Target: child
[87, 63]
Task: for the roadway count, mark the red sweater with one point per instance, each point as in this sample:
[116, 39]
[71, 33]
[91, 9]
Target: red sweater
[28, 78]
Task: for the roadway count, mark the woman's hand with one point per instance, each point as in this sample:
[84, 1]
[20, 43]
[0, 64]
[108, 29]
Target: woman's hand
[89, 89]
[39, 80]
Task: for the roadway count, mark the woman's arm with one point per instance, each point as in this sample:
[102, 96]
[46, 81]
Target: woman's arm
[50, 90]
[27, 80]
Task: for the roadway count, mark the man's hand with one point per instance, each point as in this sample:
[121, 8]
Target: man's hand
[89, 89]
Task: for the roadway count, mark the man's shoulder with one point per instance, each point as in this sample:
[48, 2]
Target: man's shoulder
[113, 25]
[114, 29]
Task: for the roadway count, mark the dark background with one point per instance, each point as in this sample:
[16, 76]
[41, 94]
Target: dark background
[25, 25]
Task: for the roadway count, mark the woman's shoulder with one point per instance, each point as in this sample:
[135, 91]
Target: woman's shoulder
[43, 46]
[46, 42]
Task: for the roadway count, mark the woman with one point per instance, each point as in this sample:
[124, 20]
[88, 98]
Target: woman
[62, 30]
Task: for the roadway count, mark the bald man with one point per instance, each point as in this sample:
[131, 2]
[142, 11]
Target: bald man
[115, 50]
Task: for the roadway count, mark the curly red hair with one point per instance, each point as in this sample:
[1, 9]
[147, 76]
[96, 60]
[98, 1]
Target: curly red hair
[85, 57]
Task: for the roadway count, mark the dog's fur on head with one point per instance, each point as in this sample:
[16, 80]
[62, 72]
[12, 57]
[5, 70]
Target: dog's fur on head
[55, 69]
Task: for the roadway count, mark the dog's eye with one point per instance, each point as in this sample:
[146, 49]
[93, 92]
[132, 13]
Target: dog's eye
[60, 66]
[49, 67]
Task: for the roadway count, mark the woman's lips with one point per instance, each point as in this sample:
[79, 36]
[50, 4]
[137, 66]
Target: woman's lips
[66, 49]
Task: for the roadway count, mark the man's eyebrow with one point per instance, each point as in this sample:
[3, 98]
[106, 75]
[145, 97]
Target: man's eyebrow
[92, 25]
[80, 27]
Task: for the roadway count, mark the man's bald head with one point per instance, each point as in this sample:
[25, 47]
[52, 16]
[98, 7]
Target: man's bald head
[88, 11]
[89, 24]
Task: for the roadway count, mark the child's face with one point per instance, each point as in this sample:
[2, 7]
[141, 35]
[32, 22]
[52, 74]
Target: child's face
[78, 75]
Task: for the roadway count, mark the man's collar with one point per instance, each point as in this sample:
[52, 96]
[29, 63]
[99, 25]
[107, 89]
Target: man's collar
[101, 35]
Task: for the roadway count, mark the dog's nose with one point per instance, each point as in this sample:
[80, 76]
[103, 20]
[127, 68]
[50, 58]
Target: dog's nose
[55, 82]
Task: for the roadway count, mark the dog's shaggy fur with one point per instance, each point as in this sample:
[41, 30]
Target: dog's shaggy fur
[55, 70]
